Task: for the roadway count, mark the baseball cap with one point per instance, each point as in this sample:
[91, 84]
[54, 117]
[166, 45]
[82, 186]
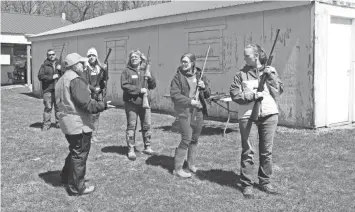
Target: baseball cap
[74, 58]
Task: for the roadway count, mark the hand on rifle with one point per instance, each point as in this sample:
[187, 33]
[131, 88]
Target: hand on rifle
[55, 76]
[144, 90]
[97, 89]
[201, 84]
[58, 67]
[269, 70]
[259, 95]
[196, 103]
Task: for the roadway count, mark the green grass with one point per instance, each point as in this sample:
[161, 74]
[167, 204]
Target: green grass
[314, 170]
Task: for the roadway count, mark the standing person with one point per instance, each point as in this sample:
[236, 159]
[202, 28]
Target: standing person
[182, 90]
[48, 74]
[75, 106]
[243, 92]
[132, 81]
[97, 78]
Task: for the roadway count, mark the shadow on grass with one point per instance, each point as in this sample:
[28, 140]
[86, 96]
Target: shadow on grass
[40, 124]
[30, 94]
[121, 150]
[224, 178]
[52, 178]
[206, 130]
[166, 162]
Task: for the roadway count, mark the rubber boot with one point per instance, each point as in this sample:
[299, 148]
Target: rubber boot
[191, 158]
[130, 144]
[179, 159]
[147, 148]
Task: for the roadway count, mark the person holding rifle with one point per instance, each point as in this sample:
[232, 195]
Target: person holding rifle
[243, 92]
[97, 77]
[190, 111]
[132, 84]
[48, 74]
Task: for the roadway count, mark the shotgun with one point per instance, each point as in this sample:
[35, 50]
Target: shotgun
[145, 102]
[255, 112]
[197, 92]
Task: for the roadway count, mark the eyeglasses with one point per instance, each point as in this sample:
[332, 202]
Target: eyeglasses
[91, 55]
[50, 55]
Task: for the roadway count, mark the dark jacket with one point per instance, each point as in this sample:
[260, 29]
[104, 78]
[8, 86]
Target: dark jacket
[179, 93]
[45, 75]
[132, 81]
[98, 80]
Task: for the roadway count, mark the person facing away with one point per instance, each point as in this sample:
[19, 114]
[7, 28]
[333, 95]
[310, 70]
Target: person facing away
[243, 91]
[182, 93]
[75, 105]
[132, 84]
[48, 74]
[97, 77]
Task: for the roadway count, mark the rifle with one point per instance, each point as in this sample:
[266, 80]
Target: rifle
[197, 92]
[104, 92]
[145, 102]
[60, 62]
[255, 112]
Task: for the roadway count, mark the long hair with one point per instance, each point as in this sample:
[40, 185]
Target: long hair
[136, 51]
[192, 58]
[257, 49]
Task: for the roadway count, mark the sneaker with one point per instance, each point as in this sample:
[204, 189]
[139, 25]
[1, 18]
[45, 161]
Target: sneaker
[148, 150]
[268, 188]
[248, 192]
[88, 190]
[131, 154]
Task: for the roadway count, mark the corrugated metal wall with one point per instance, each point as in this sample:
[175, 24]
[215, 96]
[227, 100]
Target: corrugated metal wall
[227, 37]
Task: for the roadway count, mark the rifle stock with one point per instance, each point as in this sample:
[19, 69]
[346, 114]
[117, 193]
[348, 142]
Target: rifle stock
[256, 108]
[145, 102]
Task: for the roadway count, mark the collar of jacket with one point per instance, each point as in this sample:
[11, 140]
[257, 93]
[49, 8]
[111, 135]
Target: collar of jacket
[250, 70]
[133, 69]
[49, 63]
[189, 74]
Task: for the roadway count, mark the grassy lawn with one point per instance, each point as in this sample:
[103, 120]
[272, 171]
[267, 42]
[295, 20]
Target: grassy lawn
[314, 170]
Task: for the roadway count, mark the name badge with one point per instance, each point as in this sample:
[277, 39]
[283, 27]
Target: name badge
[134, 76]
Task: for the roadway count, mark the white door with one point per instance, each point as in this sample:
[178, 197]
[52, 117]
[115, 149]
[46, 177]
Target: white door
[338, 70]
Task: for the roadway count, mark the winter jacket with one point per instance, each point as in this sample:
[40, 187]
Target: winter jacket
[45, 75]
[243, 91]
[132, 80]
[95, 79]
[179, 93]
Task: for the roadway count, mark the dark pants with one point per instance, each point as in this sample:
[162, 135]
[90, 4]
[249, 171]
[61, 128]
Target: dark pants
[75, 164]
[133, 111]
[49, 102]
[189, 134]
[265, 127]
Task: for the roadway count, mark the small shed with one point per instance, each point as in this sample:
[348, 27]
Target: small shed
[314, 55]
[16, 49]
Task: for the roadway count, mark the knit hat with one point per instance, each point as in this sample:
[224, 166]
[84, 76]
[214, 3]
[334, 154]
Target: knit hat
[74, 58]
[93, 51]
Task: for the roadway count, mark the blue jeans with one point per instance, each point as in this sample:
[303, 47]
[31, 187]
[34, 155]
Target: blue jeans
[189, 134]
[133, 111]
[265, 127]
[49, 102]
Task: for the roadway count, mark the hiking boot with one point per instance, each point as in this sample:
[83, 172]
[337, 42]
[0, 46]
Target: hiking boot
[248, 192]
[88, 190]
[268, 188]
[131, 154]
[148, 150]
